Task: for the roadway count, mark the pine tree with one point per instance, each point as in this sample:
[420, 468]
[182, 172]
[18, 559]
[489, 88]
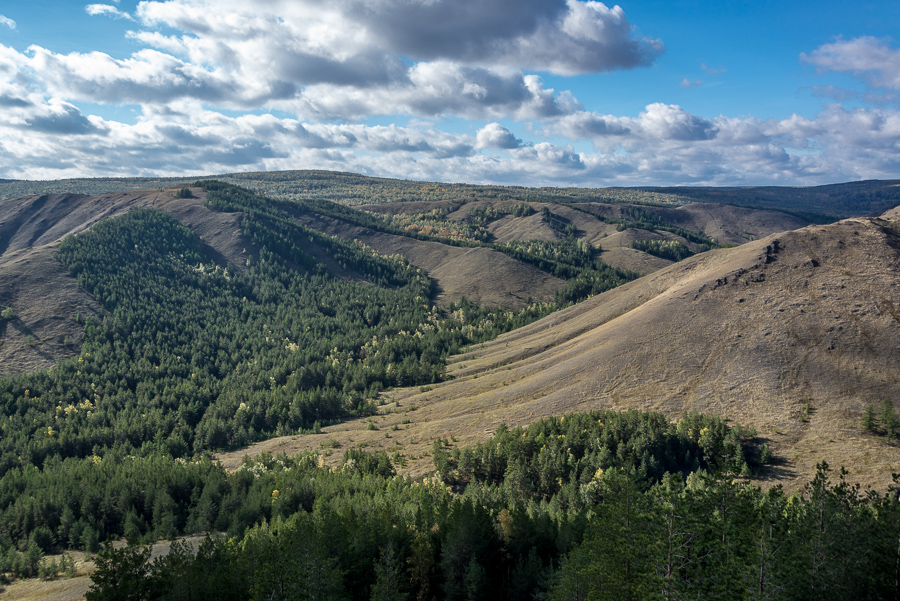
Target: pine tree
[889, 419]
[868, 419]
[388, 578]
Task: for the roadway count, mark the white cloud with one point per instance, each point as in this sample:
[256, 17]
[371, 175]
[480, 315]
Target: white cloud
[562, 36]
[713, 71]
[108, 10]
[4, 20]
[325, 68]
[868, 57]
[494, 135]
[687, 83]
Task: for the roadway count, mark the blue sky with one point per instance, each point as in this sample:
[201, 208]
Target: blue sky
[531, 92]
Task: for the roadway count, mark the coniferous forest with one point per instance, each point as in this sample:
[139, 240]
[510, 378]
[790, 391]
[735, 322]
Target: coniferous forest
[191, 356]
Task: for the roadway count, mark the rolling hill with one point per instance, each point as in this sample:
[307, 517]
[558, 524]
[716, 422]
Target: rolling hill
[145, 334]
[793, 335]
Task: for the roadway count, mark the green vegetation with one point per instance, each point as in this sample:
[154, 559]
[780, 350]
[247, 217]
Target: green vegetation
[673, 250]
[194, 357]
[190, 356]
[301, 531]
[886, 422]
[485, 214]
[8, 314]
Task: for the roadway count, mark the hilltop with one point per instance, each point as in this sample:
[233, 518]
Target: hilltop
[816, 203]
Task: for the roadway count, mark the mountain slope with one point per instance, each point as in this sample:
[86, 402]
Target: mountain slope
[793, 335]
[46, 298]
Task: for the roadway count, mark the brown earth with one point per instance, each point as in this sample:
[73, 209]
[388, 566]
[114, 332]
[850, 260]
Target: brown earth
[45, 298]
[725, 223]
[482, 275]
[793, 335]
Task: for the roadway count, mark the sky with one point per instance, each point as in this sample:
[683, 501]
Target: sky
[511, 92]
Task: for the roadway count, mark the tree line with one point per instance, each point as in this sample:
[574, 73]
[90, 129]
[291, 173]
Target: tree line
[692, 529]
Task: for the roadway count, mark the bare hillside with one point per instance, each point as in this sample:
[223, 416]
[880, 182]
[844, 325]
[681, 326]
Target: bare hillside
[482, 275]
[793, 335]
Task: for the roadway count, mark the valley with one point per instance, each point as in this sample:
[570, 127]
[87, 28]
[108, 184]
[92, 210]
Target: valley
[174, 359]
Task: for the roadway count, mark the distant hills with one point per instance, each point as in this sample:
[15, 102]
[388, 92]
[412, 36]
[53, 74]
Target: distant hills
[871, 197]
[815, 203]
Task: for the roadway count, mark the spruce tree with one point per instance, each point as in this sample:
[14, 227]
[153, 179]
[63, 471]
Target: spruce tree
[868, 419]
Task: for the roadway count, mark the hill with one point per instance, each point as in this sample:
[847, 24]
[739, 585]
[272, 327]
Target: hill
[190, 320]
[863, 198]
[793, 335]
[816, 203]
[429, 234]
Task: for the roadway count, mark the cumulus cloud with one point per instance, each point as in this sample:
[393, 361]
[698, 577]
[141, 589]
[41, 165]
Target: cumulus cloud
[353, 58]
[562, 36]
[6, 21]
[53, 139]
[658, 122]
[149, 76]
[108, 10]
[870, 58]
[207, 68]
[494, 135]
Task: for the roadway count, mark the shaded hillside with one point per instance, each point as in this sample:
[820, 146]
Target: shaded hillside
[793, 335]
[865, 198]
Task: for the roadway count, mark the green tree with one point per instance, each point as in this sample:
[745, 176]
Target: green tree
[868, 422]
[888, 418]
[122, 575]
[388, 577]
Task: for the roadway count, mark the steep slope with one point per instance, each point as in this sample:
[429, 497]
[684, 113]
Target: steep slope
[46, 298]
[793, 335]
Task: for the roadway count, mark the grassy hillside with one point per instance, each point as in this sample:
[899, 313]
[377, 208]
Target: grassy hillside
[794, 335]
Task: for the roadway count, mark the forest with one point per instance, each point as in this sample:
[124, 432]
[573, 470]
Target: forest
[191, 356]
[590, 506]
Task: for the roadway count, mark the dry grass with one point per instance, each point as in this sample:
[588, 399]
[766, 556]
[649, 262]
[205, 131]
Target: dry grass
[752, 333]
